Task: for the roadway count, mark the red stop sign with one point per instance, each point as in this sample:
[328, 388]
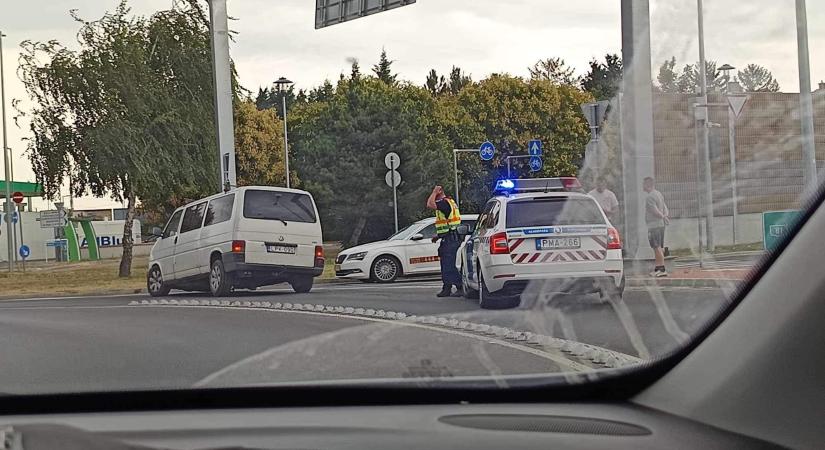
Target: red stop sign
[17, 197]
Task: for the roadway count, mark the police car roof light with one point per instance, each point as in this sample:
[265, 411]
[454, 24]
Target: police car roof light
[537, 185]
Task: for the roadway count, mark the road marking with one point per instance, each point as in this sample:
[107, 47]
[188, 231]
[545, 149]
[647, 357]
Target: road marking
[558, 359]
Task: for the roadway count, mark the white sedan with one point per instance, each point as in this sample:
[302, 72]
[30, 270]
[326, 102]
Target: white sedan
[408, 252]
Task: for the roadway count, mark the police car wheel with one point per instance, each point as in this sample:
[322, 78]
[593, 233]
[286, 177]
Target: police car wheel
[469, 292]
[385, 269]
[609, 292]
[485, 299]
[155, 284]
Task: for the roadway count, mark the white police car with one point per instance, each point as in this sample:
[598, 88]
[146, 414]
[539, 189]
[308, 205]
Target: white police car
[408, 252]
[544, 232]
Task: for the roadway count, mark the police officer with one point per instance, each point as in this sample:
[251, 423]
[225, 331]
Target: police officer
[447, 220]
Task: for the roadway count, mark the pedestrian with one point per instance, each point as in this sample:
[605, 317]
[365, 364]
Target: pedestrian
[447, 220]
[606, 198]
[656, 218]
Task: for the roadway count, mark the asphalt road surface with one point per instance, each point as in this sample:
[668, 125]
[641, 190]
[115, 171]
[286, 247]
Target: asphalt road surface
[124, 342]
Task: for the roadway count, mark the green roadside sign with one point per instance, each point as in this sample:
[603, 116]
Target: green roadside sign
[776, 225]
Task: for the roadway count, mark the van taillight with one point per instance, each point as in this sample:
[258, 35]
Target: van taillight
[319, 256]
[614, 242]
[238, 246]
[499, 245]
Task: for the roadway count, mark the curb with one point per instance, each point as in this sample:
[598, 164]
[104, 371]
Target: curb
[683, 282]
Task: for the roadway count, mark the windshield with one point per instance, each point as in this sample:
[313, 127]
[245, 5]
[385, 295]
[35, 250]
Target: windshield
[191, 189]
[553, 211]
[405, 233]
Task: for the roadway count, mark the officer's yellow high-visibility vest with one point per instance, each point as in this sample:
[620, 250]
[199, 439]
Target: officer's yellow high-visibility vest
[444, 224]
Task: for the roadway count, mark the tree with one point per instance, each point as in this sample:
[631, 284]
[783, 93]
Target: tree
[435, 83]
[687, 81]
[128, 114]
[382, 69]
[322, 93]
[339, 146]
[509, 112]
[603, 80]
[259, 147]
[555, 70]
[272, 98]
[667, 78]
[458, 80]
[756, 78]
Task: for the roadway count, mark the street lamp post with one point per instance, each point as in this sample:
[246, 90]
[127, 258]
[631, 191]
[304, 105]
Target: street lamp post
[9, 227]
[282, 86]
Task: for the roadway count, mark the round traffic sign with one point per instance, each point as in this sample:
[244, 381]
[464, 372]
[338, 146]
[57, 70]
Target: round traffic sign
[535, 164]
[14, 216]
[17, 197]
[25, 251]
[392, 181]
[392, 160]
[487, 150]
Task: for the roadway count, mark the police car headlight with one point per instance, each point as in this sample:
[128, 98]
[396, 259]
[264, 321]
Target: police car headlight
[357, 256]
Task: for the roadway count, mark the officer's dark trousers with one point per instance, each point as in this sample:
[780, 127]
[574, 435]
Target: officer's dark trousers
[447, 254]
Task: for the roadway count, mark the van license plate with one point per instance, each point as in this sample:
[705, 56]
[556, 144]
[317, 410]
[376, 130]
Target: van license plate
[558, 243]
[289, 250]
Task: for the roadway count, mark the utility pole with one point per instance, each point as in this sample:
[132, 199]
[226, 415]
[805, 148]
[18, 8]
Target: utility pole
[806, 115]
[704, 141]
[222, 80]
[9, 226]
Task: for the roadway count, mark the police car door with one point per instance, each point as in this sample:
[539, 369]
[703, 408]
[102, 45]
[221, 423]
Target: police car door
[473, 244]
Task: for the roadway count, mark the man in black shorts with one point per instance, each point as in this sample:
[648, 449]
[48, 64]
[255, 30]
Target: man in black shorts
[656, 218]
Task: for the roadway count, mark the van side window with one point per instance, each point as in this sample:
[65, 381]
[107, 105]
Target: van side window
[193, 217]
[219, 210]
[172, 226]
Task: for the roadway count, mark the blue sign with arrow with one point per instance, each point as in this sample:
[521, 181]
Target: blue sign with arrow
[487, 150]
[534, 148]
[25, 251]
[535, 163]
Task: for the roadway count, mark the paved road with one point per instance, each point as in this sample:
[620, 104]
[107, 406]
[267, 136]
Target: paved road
[114, 342]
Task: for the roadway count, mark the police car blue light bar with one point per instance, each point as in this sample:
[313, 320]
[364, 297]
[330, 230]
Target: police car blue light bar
[507, 186]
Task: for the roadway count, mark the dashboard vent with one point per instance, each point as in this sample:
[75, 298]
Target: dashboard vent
[544, 424]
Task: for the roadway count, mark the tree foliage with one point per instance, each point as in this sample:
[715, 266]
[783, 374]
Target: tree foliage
[383, 69]
[128, 114]
[259, 138]
[604, 79]
[438, 85]
[555, 70]
[339, 148]
[756, 78]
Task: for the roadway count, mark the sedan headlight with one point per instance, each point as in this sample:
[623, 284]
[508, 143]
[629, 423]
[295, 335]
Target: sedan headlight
[357, 256]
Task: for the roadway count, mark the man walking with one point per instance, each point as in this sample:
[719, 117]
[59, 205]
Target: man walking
[657, 218]
[606, 198]
[447, 220]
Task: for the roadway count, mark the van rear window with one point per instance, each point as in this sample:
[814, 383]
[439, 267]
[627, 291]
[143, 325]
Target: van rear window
[277, 205]
[538, 212]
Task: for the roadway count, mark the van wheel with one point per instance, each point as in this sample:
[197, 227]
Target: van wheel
[155, 284]
[220, 283]
[301, 285]
[385, 269]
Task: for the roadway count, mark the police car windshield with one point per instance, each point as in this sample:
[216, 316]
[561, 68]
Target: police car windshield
[535, 212]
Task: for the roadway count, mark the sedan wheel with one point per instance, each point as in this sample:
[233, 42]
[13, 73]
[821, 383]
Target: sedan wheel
[385, 269]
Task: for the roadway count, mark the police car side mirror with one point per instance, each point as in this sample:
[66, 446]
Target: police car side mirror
[463, 230]
[156, 232]
[417, 237]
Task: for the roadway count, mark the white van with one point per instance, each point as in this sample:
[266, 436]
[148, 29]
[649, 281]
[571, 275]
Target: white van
[242, 239]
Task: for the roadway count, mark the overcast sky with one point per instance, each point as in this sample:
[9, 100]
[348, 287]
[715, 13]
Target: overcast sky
[277, 38]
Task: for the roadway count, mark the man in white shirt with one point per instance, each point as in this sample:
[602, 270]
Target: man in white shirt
[606, 198]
